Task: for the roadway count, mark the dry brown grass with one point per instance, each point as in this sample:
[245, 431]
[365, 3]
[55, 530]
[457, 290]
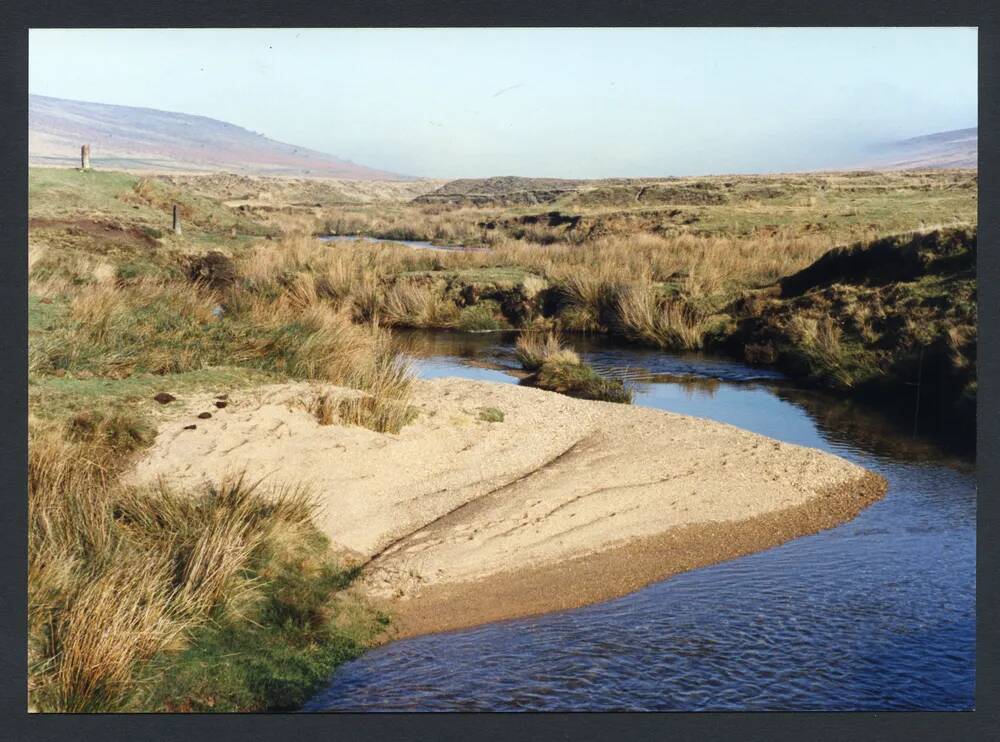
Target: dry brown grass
[383, 405]
[417, 305]
[820, 339]
[535, 349]
[117, 574]
[644, 314]
[656, 289]
[699, 265]
[707, 262]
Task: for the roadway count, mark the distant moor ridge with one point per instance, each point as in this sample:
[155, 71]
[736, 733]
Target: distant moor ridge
[513, 191]
[946, 149]
[627, 193]
[145, 139]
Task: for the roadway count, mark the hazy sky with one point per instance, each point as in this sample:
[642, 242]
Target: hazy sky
[538, 102]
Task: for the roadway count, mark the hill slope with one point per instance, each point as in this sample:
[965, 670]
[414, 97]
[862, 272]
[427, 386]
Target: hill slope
[946, 149]
[124, 137]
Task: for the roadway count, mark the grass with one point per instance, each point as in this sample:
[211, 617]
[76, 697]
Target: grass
[678, 292]
[417, 305]
[836, 207]
[230, 560]
[579, 380]
[534, 350]
[146, 598]
[667, 291]
[645, 314]
[159, 328]
[121, 198]
[120, 431]
[275, 661]
[228, 598]
[484, 316]
[557, 368]
[56, 398]
[491, 415]
[365, 410]
[819, 342]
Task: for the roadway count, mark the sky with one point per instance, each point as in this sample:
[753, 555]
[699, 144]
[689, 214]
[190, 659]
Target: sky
[573, 103]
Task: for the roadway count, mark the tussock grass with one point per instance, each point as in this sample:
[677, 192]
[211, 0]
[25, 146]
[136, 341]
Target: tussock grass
[533, 350]
[120, 575]
[656, 289]
[383, 406]
[121, 431]
[579, 380]
[819, 340]
[557, 368]
[645, 314]
[274, 320]
[417, 305]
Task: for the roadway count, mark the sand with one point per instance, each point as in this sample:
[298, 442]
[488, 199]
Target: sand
[565, 502]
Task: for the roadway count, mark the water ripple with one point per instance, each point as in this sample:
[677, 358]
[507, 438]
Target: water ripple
[877, 614]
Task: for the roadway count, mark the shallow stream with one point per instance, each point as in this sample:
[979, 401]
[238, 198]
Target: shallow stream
[415, 244]
[878, 613]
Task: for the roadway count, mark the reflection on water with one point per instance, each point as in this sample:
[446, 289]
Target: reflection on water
[876, 614]
[690, 385]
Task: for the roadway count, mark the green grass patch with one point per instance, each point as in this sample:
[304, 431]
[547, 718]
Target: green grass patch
[281, 651]
[143, 202]
[482, 317]
[60, 189]
[53, 397]
[45, 314]
[491, 415]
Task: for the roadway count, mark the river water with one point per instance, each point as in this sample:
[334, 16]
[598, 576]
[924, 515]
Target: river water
[415, 244]
[878, 613]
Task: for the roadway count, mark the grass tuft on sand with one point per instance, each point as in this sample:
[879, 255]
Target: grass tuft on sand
[559, 369]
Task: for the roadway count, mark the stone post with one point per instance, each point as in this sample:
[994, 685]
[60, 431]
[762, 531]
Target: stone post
[177, 220]
[85, 157]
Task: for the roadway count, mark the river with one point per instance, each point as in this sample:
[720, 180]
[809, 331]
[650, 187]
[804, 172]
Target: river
[876, 614]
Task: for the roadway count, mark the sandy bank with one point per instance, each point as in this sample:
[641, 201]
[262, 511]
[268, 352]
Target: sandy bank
[565, 502]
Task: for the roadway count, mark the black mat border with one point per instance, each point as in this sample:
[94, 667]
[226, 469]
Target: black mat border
[18, 725]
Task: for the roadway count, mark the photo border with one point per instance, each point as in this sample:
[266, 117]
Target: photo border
[20, 725]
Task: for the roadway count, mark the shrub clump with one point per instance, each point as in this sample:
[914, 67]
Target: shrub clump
[122, 432]
[533, 350]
